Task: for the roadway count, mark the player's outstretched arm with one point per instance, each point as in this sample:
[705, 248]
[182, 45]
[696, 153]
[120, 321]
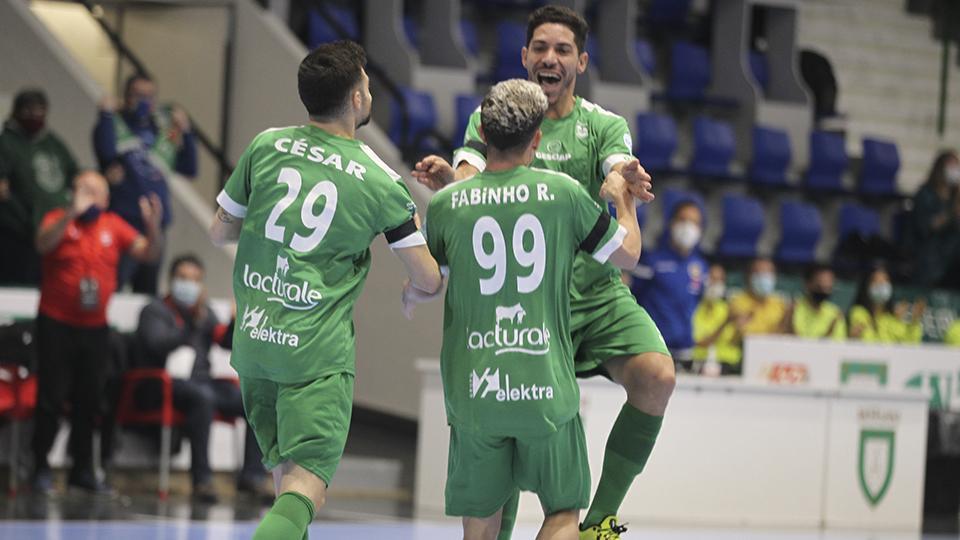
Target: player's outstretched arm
[616, 190]
[225, 227]
[434, 172]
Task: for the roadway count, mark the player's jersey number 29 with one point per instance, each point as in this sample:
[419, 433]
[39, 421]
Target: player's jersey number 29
[496, 260]
[318, 224]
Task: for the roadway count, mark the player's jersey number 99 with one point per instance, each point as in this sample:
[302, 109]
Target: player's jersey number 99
[535, 258]
[318, 224]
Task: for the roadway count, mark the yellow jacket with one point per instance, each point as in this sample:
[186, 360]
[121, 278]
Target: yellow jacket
[827, 321]
[952, 337]
[709, 317]
[886, 328]
[766, 313]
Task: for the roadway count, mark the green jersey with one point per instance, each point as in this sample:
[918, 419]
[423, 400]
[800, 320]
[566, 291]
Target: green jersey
[585, 144]
[508, 240]
[312, 203]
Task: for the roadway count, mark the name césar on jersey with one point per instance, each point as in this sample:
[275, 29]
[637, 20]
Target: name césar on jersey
[300, 148]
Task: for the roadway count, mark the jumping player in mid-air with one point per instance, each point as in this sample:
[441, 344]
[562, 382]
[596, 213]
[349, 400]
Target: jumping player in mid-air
[612, 335]
[508, 237]
[305, 202]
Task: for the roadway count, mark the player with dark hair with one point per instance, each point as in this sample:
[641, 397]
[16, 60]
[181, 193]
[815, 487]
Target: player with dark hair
[305, 202]
[612, 335]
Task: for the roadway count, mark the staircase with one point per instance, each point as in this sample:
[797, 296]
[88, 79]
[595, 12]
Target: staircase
[887, 66]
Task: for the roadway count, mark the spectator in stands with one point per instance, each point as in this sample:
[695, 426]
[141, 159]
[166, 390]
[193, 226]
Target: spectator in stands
[936, 223]
[184, 319]
[81, 246]
[138, 148]
[668, 282]
[952, 337]
[814, 315]
[759, 309]
[874, 318]
[714, 330]
[36, 168]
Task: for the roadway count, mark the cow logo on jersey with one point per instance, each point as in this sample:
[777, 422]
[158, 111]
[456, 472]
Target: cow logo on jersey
[299, 296]
[553, 151]
[582, 130]
[489, 382]
[509, 335]
[255, 321]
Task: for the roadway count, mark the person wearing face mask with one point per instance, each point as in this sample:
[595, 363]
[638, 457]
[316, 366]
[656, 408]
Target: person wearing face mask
[669, 280]
[874, 318]
[936, 224]
[759, 309]
[138, 147]
[714, 331]
[81, 246]
[814, 315]
[36, 169]
[184, 319]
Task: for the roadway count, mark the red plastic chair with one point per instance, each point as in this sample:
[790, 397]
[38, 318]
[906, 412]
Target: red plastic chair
[166, 416]
[18, 399]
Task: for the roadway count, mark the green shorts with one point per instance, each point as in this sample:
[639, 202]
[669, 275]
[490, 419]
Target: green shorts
[610, 323]
[484, 471]
[305, 423]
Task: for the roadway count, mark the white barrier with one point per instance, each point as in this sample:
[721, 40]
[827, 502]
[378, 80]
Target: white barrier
[934, 369]
[740, 454]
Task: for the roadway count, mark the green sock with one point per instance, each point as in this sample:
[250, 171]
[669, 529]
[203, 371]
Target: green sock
[287, 520]
[628, 447]
[509, 516]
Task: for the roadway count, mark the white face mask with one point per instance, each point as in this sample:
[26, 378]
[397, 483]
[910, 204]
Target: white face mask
[185, 292]
[953, 175]
[715, 291]
[685, 235]
[880, 292]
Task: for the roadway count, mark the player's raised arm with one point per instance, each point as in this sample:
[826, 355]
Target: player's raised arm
[616, 190]
[423, 270]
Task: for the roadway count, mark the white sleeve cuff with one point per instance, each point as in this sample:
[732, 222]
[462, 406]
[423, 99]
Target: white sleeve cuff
[465, 155]
[602, 254]
[411, 240]
[231, 206]
[613, 160]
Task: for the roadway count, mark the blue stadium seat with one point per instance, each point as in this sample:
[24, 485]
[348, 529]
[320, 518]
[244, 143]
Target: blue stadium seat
[668, 12]
[645, 55]
[759, 69]
[464, 104]
[593, 50]
[421, 119]
[511, 37]
[742, 226]
[771, 156]
[878, 172]
[656, 141]
[469, 31]
[800, 228]
[689, 72]
[713, 147]
[318, 31]
[858, 219]
[828, 161]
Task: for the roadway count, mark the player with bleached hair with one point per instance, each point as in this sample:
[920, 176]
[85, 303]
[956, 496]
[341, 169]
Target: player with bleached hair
[508, 237]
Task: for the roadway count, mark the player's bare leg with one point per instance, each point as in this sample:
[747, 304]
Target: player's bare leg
[560, 526]
[481, 528]
[649, 379]
[299, 494]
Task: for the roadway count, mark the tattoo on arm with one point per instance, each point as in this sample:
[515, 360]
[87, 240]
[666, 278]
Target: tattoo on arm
[225, 217]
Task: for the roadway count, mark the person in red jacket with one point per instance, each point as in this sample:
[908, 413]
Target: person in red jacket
[81, 246]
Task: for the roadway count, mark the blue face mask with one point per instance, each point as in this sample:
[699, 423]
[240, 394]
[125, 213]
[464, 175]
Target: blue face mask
[763, 283]
[142, 110]
[90, 214]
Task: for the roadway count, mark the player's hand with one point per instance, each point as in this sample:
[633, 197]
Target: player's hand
[919, 308]
[180, 119]
[107, 104]
[615, 187]
[900, 309]
[639, 180]
[433, 172]
[412, 296]
[82, 201]
[151, 210]
[114, 173]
